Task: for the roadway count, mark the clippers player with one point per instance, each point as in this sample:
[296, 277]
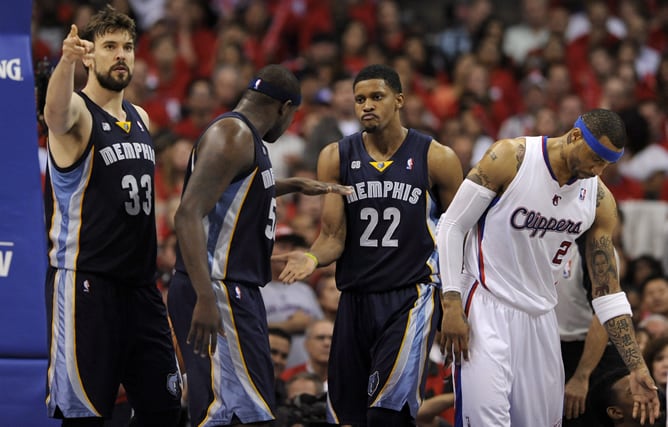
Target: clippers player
[517, 214]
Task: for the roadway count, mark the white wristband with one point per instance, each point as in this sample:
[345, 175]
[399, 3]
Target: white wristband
[610, 306]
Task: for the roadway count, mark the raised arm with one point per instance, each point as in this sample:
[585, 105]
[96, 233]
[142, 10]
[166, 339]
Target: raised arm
[490, 176]
[329, 245]
[228, 143]
[612, 307]
[65, 114]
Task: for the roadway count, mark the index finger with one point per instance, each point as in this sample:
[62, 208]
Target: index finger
[74, 31]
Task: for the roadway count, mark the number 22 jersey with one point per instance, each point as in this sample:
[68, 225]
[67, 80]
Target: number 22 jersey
[391, 217]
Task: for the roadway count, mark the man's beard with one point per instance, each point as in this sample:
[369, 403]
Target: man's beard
[371, 129]
[110, 83]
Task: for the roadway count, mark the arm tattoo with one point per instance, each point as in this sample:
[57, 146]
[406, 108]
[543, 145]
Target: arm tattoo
[520, 155]
[603, 266]
[600, 194]
[620, 333]
[478, 176]
[492, 155]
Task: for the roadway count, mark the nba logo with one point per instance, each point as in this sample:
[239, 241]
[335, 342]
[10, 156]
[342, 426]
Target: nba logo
[409, 164]
[86, 286]
[583, 193]
[257, 84]
[106, 127]
[140, 126]
[237, 292]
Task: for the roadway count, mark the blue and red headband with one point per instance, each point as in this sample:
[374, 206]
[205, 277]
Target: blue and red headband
[279, 94]
[601, 150]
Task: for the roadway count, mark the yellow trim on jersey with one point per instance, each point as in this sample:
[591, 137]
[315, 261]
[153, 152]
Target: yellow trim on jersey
[401, 349]
[381, 166]
[126, 126]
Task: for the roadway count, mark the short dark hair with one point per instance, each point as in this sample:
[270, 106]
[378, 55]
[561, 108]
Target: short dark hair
[108, 20]
[654, 347]
[380, 71]
[280, 333]
[603, 122]
[601, 397]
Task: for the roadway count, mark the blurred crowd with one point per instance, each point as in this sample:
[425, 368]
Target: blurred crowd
[474, 77]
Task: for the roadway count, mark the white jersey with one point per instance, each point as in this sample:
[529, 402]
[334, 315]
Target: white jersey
[517, 248]
[574, 313]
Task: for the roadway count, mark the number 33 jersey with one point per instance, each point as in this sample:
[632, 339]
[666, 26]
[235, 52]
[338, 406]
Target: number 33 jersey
[100, 211]
[390, 217]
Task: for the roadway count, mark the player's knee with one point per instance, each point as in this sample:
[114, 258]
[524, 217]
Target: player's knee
[169, 418]
[383, 417]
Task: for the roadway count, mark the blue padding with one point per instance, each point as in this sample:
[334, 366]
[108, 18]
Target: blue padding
[22, 230]
[22, 393]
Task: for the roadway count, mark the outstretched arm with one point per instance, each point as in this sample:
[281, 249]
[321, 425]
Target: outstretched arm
[310, 187]
[328, 246]
[612, 307]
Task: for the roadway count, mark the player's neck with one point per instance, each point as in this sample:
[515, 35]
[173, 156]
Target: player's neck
[385, 142]
[110, 101]
[556, 154]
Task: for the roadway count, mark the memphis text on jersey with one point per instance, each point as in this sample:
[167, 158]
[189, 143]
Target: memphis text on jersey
[383, 190]
[127, 151]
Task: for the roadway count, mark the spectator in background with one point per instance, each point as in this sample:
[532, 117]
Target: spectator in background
[529, 34]
[610, 401]
[280, 343]
[328, 295]
[290, 308]
[198, 110]
[654, 291]
[334, 122]
[656, 358]
[317, 344]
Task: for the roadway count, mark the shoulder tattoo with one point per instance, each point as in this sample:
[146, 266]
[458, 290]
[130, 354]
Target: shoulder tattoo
[519, 156]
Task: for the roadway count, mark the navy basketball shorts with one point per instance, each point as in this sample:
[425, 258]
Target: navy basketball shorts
[379, 351]
[101, 334]
[236, 383]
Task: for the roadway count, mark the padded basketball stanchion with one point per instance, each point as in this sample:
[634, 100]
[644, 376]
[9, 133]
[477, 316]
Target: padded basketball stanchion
[23, 352]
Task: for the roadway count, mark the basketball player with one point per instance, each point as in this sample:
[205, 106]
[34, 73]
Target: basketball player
[225, 227]
[382, 239]
[108, 324]
[516, 215]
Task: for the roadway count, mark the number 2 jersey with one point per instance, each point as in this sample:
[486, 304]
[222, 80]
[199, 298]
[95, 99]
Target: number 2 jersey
[100, 211]
[520, 245]
[240, 228]
[391, 217]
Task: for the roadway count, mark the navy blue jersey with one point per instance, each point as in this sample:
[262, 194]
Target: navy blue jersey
[100, 211]
[240, 228]
[391, 217]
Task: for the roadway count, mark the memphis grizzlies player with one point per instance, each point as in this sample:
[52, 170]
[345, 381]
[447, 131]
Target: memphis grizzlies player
[382, 238]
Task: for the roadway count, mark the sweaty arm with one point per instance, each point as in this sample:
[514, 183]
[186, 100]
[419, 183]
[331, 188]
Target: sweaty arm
[612, 307]
[65, 114]
[329, 244]
[484, 181]
[228, 142]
